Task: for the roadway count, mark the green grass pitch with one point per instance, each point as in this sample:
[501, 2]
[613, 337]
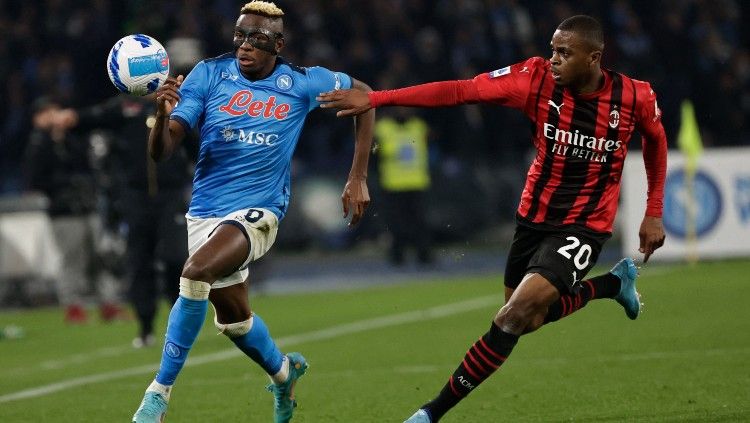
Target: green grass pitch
[376, 354]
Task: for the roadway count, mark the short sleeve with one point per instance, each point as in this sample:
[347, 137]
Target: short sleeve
[193, 93]
[509, 86]
[322, 80]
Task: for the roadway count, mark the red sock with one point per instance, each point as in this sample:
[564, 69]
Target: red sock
[480, 361]
[604, 286]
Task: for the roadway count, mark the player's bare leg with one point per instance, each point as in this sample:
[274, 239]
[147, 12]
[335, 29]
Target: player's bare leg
[222, 253]
[618, 284]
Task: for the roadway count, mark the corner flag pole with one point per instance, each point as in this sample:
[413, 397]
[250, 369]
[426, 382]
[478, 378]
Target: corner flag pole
[691, 146]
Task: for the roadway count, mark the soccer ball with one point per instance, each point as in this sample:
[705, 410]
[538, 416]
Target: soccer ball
[137, 64]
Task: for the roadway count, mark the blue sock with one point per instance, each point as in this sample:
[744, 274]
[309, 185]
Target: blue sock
[259, 346]
[185, 322]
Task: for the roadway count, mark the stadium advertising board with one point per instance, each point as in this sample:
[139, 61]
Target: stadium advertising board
[708, 218]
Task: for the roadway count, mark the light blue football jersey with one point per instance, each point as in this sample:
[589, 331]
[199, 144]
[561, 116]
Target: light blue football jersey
[248, 131]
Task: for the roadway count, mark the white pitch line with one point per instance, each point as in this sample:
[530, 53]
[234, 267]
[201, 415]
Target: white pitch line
[80, 358]
[72, 360]
[84, 357]
[318, 335]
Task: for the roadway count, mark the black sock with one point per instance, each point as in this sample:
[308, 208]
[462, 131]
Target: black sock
[480, 361]
[603, 286]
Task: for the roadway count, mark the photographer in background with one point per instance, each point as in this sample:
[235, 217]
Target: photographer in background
[151, 200]
[58, 165]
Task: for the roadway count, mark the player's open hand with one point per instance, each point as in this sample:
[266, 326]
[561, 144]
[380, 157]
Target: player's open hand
[356, 198]
[167, 96]
[349, 102]
[652, 236]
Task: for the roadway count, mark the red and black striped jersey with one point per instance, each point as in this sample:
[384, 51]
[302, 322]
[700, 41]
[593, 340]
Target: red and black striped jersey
[581, 139]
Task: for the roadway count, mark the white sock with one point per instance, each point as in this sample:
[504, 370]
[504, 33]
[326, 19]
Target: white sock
[164, 390]
[283, 374]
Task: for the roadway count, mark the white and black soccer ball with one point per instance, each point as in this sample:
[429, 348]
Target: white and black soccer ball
[138, 64]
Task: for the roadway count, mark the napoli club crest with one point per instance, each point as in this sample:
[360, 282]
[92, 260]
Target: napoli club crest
[284, 82]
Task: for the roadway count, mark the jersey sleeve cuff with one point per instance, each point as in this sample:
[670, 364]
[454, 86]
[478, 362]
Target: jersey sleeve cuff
[653, 212]
[376, 98]
[181, 121]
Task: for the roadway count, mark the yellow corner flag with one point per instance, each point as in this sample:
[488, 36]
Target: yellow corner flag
[689, 141]
[689, 138]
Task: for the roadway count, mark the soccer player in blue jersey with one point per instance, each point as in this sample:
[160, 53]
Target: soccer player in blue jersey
[249, 106]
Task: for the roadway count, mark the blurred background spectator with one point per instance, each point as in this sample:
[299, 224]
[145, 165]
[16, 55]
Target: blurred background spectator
[694, 49]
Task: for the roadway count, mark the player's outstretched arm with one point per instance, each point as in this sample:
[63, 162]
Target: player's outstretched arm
[166, 134]
[432, 94]
[356, 197]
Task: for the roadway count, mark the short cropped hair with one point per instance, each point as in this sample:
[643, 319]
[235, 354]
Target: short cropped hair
[587, 27]
[262, 8]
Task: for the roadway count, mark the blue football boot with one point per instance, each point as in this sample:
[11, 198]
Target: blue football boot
[628, 297]
[152, 409]
[283, 393]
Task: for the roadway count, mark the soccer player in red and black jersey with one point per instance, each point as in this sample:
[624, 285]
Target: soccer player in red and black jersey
[584, 116]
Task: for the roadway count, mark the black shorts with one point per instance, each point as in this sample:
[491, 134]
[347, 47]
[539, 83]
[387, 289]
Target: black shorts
[564, 257]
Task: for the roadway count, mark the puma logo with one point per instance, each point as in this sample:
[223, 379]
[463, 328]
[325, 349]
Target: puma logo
[552, 103]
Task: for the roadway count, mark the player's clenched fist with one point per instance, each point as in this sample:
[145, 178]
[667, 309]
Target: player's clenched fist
[167, 95]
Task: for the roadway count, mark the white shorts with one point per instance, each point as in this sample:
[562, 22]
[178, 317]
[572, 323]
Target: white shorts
[259, 225]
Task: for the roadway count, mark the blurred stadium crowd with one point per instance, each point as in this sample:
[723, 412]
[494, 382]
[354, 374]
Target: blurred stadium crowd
[697, 49]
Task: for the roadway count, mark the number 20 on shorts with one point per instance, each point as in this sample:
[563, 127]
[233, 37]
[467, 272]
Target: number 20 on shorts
[582, 257]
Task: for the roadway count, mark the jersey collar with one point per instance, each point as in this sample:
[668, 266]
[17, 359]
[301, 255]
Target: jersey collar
[605, 87]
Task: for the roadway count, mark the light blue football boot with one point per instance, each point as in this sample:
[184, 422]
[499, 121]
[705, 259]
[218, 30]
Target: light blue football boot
[628, 297]
[420, 416]
[283, 393]
[152, 409]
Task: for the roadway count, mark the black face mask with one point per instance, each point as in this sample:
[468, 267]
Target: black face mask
[259, 38]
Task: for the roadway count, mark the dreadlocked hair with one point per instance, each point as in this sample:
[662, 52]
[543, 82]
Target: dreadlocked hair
[263, 8]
